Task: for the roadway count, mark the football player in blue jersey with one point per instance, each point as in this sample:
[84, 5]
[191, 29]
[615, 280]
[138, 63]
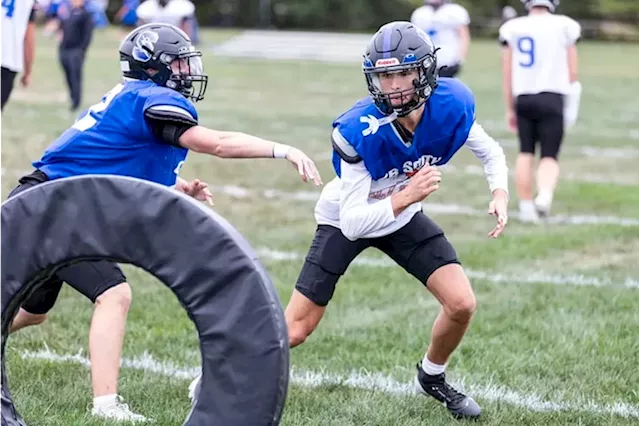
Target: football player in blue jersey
[385, 149]
[143, 128]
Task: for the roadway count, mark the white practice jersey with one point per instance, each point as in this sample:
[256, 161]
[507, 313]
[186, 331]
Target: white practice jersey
[173, 13]
[15, 18]
[442, 25]
[378, 192]
[539, 44]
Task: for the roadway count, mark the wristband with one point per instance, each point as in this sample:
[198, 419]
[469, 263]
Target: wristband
[280, 150]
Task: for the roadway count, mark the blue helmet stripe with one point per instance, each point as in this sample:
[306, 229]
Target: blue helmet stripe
[386, 42]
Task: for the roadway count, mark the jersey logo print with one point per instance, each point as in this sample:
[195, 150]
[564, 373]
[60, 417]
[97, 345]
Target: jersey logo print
[373, 124]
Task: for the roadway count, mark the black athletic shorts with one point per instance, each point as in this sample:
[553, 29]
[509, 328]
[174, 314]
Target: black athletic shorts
[419, 247]
[540, 119]
[89, 278]
[8, 78]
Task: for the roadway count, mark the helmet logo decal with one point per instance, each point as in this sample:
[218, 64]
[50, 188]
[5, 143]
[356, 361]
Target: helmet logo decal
[144, 47]
[387, 62]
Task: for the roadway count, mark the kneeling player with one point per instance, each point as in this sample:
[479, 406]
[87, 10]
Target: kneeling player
[384, 149]
[144, 128]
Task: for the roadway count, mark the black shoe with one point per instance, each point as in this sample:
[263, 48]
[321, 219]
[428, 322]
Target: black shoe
[460, 405]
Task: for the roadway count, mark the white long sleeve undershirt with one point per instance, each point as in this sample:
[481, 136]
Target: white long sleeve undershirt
[347, 202]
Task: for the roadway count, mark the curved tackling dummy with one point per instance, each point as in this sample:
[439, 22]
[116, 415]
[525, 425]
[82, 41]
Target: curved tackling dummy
[385, 152]
[206, 263]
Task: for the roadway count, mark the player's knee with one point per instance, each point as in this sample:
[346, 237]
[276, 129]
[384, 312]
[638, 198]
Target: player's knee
[35, 319]
[119, 296]
[462, 308]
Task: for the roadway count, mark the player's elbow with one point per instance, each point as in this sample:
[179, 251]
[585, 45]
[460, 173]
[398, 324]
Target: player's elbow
[350, 225]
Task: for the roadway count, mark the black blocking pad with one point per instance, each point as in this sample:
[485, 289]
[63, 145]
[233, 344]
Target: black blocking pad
[207, 264]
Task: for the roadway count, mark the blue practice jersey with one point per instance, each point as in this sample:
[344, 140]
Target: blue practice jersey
[113, 137]
[444, 127]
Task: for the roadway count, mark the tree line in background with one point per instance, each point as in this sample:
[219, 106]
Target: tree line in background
[601, 19]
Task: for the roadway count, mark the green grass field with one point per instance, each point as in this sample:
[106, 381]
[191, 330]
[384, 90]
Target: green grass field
[555, 337]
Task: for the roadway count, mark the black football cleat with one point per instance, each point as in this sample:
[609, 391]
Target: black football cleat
[459, 405]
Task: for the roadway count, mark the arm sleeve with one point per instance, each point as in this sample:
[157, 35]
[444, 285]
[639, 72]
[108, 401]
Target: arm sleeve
[504, 35]
[358, 218]
[169, 122]
[487, 150]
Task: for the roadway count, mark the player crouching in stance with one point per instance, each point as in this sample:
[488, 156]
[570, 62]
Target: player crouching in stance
[384, 150]
[143, 128]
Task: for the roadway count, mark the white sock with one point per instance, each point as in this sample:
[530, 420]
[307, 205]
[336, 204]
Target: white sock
[526, 206]
[105, 400]
[544, 198]
[430, 368]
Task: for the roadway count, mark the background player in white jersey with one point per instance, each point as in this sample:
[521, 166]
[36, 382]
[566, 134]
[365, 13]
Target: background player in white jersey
[448, 26]
[384, 150]
[18, 43]
[173, 12]
[542, 93]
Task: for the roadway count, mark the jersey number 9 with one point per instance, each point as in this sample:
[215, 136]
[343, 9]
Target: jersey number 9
[9, 5]
[526, 46]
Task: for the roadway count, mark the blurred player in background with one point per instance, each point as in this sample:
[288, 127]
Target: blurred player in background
[542, 95]
[76, 31]
[18, 44]
[127, 15]
[448, 26]
[173, 12]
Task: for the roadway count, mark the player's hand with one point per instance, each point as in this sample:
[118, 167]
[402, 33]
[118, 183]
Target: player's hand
[25, 80]
[197, 189]
[512, 121]
[423, 183]
[305, 166]
[498, 208]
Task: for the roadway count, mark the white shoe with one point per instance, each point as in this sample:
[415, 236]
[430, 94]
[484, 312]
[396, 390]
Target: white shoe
[118, 411]
[193, 386]
[543, 205]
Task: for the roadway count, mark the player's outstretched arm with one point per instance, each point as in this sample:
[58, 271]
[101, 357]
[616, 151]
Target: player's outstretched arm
[241, 145]
[487, 150]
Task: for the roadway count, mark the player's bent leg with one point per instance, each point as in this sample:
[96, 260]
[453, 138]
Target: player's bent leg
[328, 258]
[424, 252]
[25, 319]
[449, 284]
[34, 310]
[302, 316]
[105, 285]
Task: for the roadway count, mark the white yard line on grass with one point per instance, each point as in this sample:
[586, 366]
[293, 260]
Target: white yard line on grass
[366, 381]
[432, 208]
[526, 277]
